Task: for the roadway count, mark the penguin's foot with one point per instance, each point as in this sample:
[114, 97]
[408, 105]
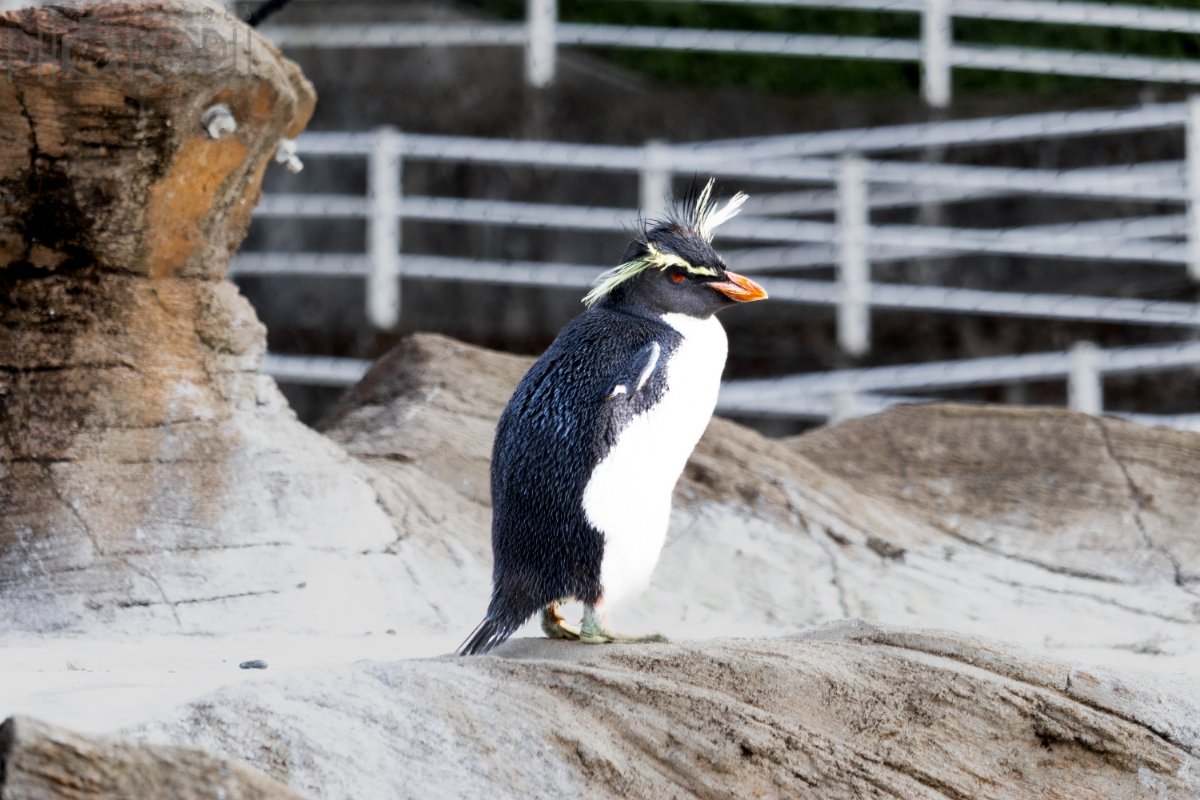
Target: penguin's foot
[605, 636]
[594, 630]
[555, 627]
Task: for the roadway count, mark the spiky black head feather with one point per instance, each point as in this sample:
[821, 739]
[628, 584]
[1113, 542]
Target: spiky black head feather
[672, 267]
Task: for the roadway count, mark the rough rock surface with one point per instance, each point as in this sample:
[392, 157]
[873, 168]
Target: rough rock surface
[1118, 498]
[1033, 525]
[150, 478]
[153, 482]
[845, 711]
[42, 762]
[154, 487]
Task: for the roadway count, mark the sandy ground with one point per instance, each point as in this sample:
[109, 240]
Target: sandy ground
[101, 686]
[104, 685]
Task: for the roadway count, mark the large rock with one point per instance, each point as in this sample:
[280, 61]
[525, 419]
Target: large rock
[154, 482]
[1034, 525]
[768, 537]
[153, 486]
[846, 711]
[1088, 496]
[42, 762]
[150, 479]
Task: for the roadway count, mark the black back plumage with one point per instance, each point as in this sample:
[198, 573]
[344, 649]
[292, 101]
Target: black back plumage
[556, 428]
[565, 415]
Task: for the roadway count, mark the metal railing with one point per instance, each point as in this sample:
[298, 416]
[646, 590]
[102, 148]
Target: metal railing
[850, 242]
[845, 393]
[543, 33]
[774, 236]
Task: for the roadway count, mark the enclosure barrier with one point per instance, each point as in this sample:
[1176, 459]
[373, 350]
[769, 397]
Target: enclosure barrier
[936, 51]
[856, 172]
[849, 392]
[857, 185]
[850, 242]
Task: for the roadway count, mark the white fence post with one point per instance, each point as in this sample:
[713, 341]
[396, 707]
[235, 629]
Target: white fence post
[654, 182]
[1193, 186]
[845, 406]
[541, 21]
[854, 276]
[936, 33]
[1085, 393]
[383, 185]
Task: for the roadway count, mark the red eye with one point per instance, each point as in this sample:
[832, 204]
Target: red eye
[676, 277]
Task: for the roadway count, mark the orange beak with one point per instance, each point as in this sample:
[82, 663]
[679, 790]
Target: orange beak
[740, 288]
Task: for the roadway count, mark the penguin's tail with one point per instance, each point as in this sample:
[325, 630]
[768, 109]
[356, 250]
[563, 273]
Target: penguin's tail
[492, 631]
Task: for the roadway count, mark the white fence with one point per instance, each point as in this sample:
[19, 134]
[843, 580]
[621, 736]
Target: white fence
[845, 393]
[936, 51]
[837, 171]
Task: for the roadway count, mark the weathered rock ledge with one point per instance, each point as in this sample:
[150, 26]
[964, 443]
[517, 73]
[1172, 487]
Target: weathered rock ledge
[142, 456]
[155, 491]
[1032, 525]
[42, 762]
[848, 710]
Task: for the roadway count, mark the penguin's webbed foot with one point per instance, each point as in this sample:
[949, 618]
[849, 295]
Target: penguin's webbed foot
[555, 627]
[594, 630]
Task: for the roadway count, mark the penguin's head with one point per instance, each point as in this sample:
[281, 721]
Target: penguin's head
[671, 267]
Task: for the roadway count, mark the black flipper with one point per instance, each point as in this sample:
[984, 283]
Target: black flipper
[634, 377]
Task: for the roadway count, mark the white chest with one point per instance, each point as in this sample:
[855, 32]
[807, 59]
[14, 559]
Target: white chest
[628, 497]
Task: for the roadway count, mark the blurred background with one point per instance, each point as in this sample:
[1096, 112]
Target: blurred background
[977, 200]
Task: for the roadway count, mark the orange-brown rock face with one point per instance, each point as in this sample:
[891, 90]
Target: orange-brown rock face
[104, 160]
[133, 421]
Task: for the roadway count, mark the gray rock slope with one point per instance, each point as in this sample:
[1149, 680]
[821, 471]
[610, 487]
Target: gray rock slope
[1038, 526]
[845, 711]
[157, 495]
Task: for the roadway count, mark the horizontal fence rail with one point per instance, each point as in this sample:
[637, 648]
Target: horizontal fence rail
[774, 235]
[1097, 14]
[879, 295]
[967, 132]
[936, 51]
[830, 394]
[993, 371]
[987, 130]
[1009, 241]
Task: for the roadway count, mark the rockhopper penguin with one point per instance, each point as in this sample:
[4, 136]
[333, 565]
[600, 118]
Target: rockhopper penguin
[590, 446]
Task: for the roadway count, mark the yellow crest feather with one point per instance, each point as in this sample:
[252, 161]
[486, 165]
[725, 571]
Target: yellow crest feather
[704, 220]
